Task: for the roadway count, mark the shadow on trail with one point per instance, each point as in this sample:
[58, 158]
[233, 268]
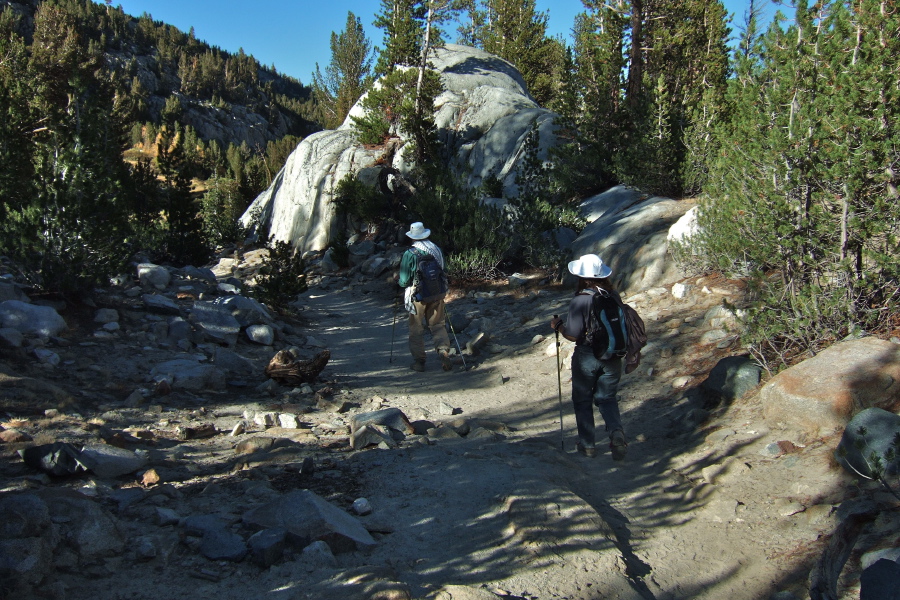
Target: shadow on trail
[537, 507]
[358, 330]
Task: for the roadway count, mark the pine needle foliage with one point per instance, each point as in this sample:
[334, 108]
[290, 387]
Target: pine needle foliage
[803, 192]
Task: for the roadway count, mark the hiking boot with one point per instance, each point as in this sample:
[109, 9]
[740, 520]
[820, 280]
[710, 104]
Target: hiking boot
[617, 445]
[589, 452]
[446, 363]
[418, 366]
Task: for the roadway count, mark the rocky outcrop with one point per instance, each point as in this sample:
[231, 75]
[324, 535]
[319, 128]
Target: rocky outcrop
[629, 230]
[482, 117]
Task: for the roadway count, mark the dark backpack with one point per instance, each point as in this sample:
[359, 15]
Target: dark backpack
[606, 331]
[430, 281]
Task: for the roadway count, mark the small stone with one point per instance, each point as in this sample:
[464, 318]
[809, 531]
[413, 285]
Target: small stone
[144, 548]
[264, 420]
[361, 506]
[537, 339]
[680, 290]
[150, 477]
[267, 546]
[51, 413]
[288, 421]
[318, 554]
[238, 429]
[680, 382]
[134, 399]
[166, 516]
[195, 433]
[446, 409]
[772, 450]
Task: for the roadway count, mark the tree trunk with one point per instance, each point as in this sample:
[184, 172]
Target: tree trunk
[636, 68]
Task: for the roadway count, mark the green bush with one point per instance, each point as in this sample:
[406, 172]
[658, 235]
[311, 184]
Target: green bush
[281, 277]
[221, 209]
[339, 250]
[474, 264]
[360, 200]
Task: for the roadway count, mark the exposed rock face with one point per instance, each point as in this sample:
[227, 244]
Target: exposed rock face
[482, 117]
[629, 230]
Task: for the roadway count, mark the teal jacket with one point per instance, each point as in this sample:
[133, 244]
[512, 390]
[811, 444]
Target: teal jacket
[408, 266]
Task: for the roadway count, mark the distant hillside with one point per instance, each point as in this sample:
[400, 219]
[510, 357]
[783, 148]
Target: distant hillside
[171, 76]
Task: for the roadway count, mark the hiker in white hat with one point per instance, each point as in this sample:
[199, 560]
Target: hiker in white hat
[422, 276]
[597, 326]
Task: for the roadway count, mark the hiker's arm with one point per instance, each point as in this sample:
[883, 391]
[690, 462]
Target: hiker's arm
[557, 325]
[407, 269]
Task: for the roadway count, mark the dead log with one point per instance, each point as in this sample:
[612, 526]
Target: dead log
[287, 370]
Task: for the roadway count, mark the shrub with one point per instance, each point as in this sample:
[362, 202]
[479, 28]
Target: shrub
[360, 200]
[281, 276]
[221, 209]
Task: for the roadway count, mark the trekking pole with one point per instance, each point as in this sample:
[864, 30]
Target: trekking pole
[394, 327]
[562, 444]
[455, 339]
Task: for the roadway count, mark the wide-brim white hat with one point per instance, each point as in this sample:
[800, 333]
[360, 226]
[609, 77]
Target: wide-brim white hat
[590, 266]
[417, 231]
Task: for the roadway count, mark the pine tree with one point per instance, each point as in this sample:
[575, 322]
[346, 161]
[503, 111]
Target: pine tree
[517, 32]
[348, 74]
[67, 232]
[402, 22]
[804, 183]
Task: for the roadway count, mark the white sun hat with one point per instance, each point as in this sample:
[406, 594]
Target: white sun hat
[417, 231]
[590, 266]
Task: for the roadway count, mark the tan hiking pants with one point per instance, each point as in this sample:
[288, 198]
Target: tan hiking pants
[432, 315]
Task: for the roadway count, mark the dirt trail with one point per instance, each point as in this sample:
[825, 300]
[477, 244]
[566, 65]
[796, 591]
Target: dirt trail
[701, 508]
[522, 516]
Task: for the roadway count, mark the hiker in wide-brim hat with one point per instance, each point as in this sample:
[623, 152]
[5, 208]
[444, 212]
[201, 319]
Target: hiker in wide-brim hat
[595, 381]
[421, 269]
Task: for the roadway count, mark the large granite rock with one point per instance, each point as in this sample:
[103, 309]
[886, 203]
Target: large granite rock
[821, 394]
[870, 434]
[482, 117]
[30, 318]
[629, 230]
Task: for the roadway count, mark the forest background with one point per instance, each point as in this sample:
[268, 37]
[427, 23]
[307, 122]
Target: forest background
[789, 140]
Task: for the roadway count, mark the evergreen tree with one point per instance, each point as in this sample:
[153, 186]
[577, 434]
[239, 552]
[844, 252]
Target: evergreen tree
[804, 184]
[402, 22]
[517, 32]
[184, 241]
[474, 19]
[347, 76]
[67, 232]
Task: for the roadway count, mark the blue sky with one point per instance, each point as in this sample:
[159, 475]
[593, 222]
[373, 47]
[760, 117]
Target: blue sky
[294, 35]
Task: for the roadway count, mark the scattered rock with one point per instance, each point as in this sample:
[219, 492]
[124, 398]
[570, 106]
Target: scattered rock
[153, 275]
[109, 461]
[871, 432]
[732, 377]
[215, 322]
[31, 319]
[361, 507]
[160, 305]
[819, 395]
[254, 444]
[267, 546]
[261, 334]
[309, 518]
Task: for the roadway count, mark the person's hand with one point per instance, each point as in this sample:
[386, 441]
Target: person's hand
[555, 323]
